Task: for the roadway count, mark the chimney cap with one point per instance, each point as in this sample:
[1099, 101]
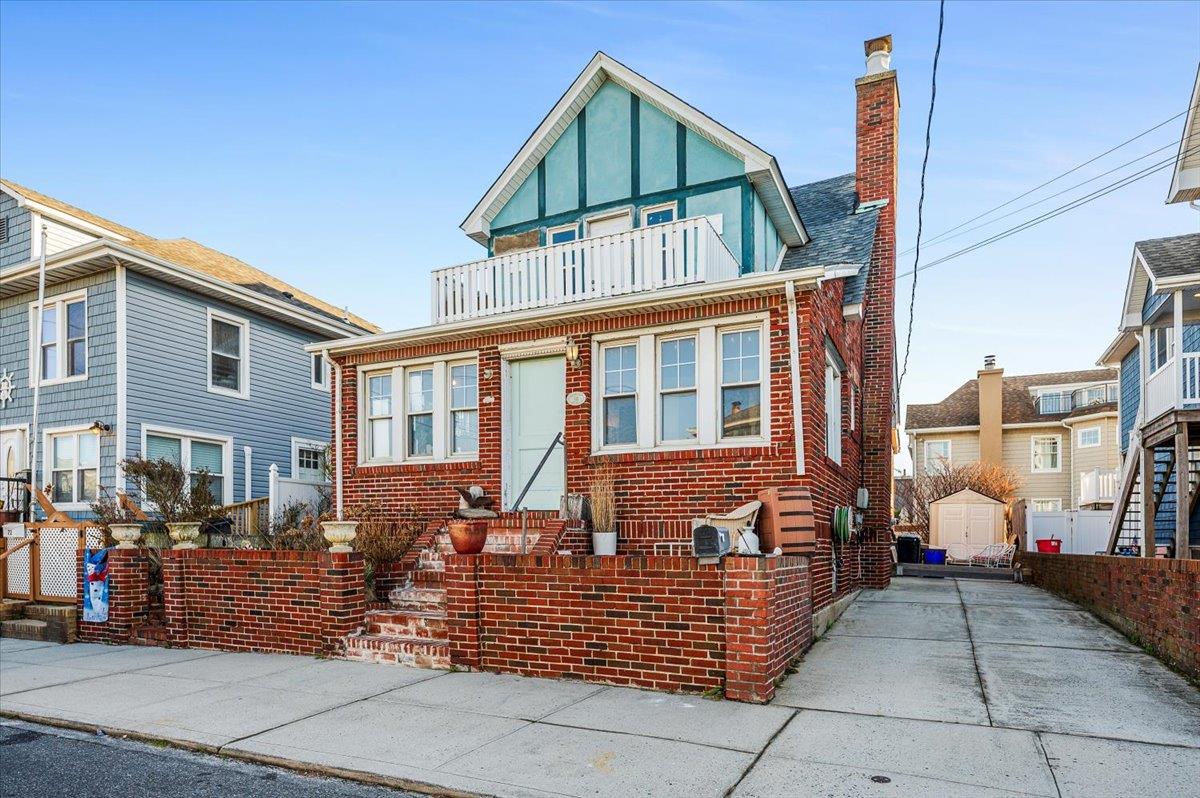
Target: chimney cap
[878, 44]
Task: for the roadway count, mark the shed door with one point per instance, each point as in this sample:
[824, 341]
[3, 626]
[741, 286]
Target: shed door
[951, 525]
[980, 528]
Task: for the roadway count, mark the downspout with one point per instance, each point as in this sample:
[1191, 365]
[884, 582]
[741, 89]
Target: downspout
[794, 367]
[337, 433]
[36, 365]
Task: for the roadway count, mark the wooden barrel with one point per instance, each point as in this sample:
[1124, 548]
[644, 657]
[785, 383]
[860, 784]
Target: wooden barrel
[787, 520]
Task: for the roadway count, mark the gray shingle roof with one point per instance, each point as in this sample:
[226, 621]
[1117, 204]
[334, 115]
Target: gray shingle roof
[839, 235]
[1177, 256]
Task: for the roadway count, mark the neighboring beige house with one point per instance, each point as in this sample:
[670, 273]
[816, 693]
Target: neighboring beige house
[1057, 431]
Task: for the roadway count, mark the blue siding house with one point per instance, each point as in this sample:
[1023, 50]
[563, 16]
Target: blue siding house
[155, 348]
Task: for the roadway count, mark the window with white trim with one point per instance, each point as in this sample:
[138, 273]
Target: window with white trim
[1089, 437]
[937, 456]
[308, 460]
[1045, 454]
[434, 417]
[464, 408]
[62, 355]
[1162, 347]
[677, 389]
[741, 383]
[196, 455]
[228, 354]
[681, 387]
[620, 394]
[833, 409]
[1046, 505]
[74, 459]
[319, 371]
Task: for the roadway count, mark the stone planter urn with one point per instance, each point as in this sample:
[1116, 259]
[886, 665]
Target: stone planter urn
[340, 534]
[127, 535]
[468, 537]
[184, 533]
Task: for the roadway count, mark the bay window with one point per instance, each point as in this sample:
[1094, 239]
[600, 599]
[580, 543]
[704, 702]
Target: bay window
[677, 389]
[62, 327]
[434, 417]
[74, 459]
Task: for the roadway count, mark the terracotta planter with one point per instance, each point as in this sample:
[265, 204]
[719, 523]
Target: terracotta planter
[126, 535]
[339, 534]
[184, 533]
[468, 537]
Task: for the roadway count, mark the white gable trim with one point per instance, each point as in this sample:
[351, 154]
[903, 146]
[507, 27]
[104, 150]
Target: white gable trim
[1185, 181]
[761, 167]
[60, 216]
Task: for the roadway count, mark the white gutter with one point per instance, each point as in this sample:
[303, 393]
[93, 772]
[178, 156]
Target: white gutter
[761, 281]
[794, 367]
[36, 365]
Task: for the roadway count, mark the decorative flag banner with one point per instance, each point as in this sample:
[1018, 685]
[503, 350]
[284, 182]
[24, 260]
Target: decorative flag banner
[95, 582]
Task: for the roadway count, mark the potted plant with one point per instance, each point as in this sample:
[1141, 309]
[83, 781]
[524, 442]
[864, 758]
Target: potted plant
[183, 502]
[123, 525]
[339, 534]
[602, 492]
[467, 535]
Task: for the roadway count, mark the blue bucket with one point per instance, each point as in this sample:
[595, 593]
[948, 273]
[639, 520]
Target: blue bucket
[935, 556]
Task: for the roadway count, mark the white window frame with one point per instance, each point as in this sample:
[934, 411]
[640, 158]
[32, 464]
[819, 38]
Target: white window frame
[1033, 440]
[60, 302]
[1167, 334]
[833, 409]
[326, 371]
[550, 231]
[366, 417]
[408, 412]
[925, 453]
[605, 216]
[47, 463]
[1056, 505]
[243, 391]
[602, 396]
[442, 434]
[1099, 430]
[185, 453]
[762, 383]
[673, 206]
[305, 443]
[708, 385]
[660, 392]
[451, 408]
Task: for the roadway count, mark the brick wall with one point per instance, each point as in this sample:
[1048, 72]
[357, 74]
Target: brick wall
[128, 597]
[299, 602]
[667, 623]
[1155, 602]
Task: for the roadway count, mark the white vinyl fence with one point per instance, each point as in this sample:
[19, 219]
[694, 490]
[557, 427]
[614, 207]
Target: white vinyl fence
[285, 491]
[1081, 531]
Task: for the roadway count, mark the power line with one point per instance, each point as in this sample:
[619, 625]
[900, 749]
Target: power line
[912, 299]
[1055, 178]
[1070, 206]
[944, 237]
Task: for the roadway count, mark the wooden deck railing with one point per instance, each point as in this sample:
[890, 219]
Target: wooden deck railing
[248, 518]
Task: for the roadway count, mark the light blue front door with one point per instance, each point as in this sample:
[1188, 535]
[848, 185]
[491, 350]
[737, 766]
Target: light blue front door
[536, 399]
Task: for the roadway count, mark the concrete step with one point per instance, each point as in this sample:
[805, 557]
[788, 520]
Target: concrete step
[25, 629]
[421, 599]
[398, 650]
[422, 625]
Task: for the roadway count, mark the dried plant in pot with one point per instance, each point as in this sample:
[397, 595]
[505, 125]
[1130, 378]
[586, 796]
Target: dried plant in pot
[184, 502]
[603, 499]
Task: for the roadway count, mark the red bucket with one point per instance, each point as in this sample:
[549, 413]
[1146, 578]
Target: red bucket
[1049, 545]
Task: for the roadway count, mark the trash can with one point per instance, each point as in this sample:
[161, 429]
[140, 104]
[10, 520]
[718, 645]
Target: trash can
[935, 556]
[1049, 545]
[908, 548]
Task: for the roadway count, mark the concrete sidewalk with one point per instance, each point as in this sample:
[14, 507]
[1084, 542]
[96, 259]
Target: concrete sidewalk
[933, 687]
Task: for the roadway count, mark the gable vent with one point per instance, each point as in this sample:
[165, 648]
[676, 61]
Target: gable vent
[3, 229]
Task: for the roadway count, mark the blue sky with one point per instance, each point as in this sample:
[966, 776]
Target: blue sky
[340, 145]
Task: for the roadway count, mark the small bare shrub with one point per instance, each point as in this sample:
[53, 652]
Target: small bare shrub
[998, 482]
[383, 540]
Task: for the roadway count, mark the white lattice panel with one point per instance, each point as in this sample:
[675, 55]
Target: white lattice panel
[93, 537]
[18, 569]
[56, 555]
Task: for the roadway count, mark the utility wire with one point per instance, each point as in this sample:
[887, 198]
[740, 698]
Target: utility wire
[1070, 206]
[945, 237]
[1055, 179]
[912, 298]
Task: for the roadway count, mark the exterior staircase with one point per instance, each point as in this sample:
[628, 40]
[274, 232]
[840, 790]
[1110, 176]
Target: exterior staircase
[24, 620]
[411, 630]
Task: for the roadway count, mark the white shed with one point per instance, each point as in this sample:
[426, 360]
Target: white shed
[964, 522]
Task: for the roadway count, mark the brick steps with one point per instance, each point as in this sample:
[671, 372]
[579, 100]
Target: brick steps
[53, 623]
[413, 623]
[24, 629]
[397, 650]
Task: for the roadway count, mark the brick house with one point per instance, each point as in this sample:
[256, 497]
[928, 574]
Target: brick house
[656, 292]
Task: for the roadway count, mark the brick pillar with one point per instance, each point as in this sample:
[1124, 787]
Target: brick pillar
[128, 596]
[343, 596]
[462, 609]
[877, 121]
[174, 573]
[747, 630]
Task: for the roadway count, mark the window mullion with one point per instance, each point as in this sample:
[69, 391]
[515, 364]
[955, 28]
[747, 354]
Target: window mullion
[440, 416]
[707, 405]
[399, 415]
[647, 396]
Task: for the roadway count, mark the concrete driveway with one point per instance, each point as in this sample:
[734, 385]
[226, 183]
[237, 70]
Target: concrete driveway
[928, 688]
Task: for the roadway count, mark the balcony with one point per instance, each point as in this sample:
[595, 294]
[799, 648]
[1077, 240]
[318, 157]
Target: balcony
[686, 252]
[1098, 486]
[1162, 391]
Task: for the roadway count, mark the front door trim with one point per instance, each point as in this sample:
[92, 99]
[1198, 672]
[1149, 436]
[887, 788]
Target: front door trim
[508, 355]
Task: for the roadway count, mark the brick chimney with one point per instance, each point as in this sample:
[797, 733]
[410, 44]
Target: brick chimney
[875, 172]
[991, 411]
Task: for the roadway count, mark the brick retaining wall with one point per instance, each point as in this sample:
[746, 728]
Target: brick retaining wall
[128, 597]
[667, 623]
[1155, 602]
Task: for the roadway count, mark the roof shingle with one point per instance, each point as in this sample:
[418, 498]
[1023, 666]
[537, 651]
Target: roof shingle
[839, 235]
[1176, 256]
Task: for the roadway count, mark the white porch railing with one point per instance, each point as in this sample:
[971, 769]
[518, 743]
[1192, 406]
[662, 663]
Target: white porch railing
[1161, 392]
[678, 253]
[1191, 378]
[1098, 485]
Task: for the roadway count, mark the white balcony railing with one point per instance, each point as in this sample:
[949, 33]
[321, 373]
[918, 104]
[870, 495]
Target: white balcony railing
[1161, 392]
[678, 253]
[1098, 485]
